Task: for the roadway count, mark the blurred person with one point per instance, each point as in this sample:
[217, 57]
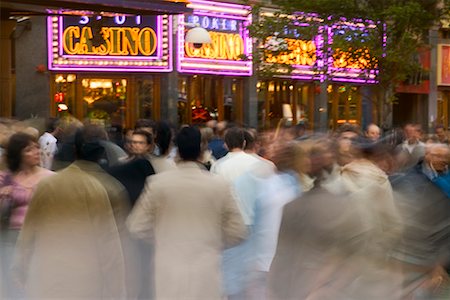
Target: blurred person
[425, 210]
[236, 167]
[301, 131]
[369, 187]
[133, 175]
[217, 143]
[17, 185]
[147, 125]
[373, 132]
[303, 164]
[66, 154]
[412, 150]
[324, 166]
[191, 216]
[344, 136]
[265, 188]
[236, 161]
[348, 131]
[34, 132]
[5, 134]
[70, 245]
[151, 127]
[163, 161]
[441, 133]
[47, 142]
[319, 234]
[163, 137]
[207, 158]
[120, 204]
[439, 165]
[127, 135]
[134, 172]
[142, 144]
[252, 145]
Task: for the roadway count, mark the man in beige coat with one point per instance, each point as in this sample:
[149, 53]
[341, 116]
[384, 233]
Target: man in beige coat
[69, 245]
[192, 216]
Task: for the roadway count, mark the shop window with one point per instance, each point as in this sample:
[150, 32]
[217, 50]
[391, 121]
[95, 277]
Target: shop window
[344, 105]
[104, 100]
[283, 102]
[145, 104]
[64, 99]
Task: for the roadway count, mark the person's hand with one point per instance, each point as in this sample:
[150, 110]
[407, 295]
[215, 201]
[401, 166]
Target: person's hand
[437, 277]
[5, 192]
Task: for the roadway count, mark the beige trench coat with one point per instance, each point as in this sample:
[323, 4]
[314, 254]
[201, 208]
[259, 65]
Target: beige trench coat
[69, 246]
[120, 204]
[192, 216]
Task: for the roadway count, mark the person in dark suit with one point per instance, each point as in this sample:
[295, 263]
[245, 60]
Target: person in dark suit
[425, 247]
[133, 172]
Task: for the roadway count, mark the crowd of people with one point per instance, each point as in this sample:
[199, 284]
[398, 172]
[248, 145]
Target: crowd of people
[221, 211]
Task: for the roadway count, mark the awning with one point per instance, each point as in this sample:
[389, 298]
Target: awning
[87, 7]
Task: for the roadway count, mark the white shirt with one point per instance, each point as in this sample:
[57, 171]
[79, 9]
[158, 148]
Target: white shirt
[47, 143]
[231, 167]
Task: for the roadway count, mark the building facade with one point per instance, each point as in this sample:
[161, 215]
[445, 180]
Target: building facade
[116, 68]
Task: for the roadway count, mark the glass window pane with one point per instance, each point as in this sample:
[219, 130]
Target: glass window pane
[104, 101]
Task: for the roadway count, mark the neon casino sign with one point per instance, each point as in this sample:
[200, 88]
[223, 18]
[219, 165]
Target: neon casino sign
[342, 66]
[120, 43]
[230, 50]
[315, 60]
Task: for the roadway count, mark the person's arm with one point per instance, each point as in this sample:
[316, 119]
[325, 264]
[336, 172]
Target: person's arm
[140, 222]
[233, 225]
[25, 242]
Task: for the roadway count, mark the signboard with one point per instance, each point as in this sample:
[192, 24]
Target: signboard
[358, 67]
[313, 58]
[230, 50]
[120, 43]
[443, 77]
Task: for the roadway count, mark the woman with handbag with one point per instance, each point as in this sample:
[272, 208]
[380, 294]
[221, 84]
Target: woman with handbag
[17, 185]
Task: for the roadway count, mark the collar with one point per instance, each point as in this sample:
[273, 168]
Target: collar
[431, 173]
[89, 166]
[191, 165]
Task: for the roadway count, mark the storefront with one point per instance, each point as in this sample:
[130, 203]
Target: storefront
[321, 80]
[29, 38]
[443, 79]
[211, 76]
[108, 69]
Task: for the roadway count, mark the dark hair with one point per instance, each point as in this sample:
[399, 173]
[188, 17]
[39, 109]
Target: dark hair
[347, 127]
[17, 142]
[370, 149]
[250, 139]
[440, 126]
[163, 136]
[188, 141]
[148, 136]
[142, 123]
[234, 138]
[87, 143]
[51, 124]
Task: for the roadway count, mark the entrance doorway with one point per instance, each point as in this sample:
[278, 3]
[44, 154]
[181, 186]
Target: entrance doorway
[106, 99]
[202, 98]
[285, 102]
[344, 105]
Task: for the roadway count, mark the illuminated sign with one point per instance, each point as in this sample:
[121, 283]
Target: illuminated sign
[315, 59]
[301, 53]
[443, 64]
[230, 50]
[120, 43]
[351, 65]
